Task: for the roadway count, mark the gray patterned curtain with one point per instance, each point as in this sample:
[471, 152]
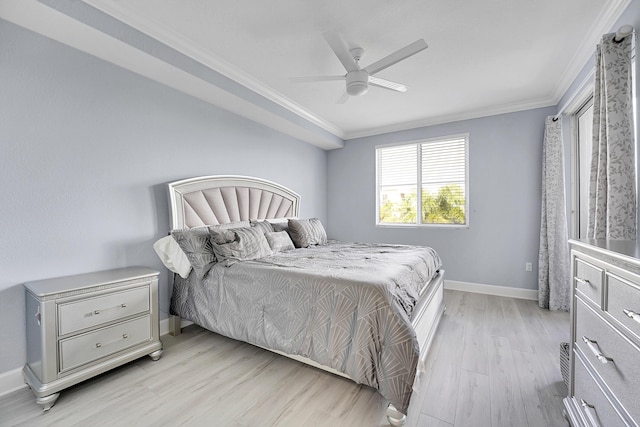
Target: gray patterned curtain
[553, 261]
[612, 189]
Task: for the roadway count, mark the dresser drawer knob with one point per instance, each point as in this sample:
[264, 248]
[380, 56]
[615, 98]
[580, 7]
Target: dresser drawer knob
[123, 305]
[98, 345]
[632, 315]
[125, 336]
[591, 413]
[583, 281]
[593, 346]
[96, 312]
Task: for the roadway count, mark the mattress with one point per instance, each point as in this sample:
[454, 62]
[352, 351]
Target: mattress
[347, 306]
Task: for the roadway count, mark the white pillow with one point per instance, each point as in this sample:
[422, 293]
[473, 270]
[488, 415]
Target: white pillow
[172, 256]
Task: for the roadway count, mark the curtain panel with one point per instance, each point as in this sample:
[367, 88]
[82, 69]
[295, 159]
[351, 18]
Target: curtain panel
[553, 261]
[612, 186]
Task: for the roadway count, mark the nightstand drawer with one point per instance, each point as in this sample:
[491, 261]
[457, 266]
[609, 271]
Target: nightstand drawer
[588, 280]
[85, 348]
[613, 357]
[592, 402]
[77, 315]
[623, 302]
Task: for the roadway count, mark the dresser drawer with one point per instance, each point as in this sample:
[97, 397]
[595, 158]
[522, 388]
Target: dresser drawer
[593, 404]
[77, 315]
[623, 302]
[85, 348]
[588, 280]
[613, 357]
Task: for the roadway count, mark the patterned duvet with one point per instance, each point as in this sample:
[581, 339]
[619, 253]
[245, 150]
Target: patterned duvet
[344, 305]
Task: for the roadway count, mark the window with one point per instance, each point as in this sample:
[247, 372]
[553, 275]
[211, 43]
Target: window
[423, 183]
[584, 130]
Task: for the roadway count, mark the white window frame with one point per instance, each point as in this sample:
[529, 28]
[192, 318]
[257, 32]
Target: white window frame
[419, 222]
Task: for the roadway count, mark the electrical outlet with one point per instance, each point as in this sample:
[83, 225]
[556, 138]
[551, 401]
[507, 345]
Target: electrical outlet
[528, 266]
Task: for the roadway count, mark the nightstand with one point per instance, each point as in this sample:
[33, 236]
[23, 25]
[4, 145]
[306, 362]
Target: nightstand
[81, 326]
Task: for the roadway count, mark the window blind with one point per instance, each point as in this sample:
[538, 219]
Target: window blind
[423, 182]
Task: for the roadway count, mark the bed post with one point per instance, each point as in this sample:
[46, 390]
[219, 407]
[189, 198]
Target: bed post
[174, 325]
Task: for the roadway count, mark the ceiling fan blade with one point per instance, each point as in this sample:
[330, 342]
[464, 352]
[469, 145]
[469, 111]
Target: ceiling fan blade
[387, 84]
[396, 56]
[341, 51]
[315, 79]
[343, 98]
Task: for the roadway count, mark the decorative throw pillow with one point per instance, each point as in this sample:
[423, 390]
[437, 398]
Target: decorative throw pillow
[262, 225]
[280, 226]
[307, 232]
[240, 244]
[196, 245]
[279, 241]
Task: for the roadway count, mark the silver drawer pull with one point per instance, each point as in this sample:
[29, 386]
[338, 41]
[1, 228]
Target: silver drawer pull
[593, 346]
[123, 305]
[124, 337]
[632, 315]
[591, 413]
[583, 281]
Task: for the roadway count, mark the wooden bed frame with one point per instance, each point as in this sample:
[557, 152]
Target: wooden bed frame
[211, 200]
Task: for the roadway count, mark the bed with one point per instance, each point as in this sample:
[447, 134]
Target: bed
[367, 312]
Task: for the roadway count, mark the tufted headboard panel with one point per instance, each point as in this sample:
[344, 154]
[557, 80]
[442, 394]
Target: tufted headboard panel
[211, 200]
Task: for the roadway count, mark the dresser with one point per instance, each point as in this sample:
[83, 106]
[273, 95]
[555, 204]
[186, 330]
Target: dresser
[81, 326]
[604, 387]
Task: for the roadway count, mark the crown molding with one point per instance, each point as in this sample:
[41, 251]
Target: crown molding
[198, 53]
[449, 118]
[41, 24]
[605, 22]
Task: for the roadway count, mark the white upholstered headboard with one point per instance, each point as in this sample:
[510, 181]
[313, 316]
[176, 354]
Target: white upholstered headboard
[210, 200]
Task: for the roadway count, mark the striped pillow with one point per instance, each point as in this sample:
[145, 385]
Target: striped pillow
[307, 232]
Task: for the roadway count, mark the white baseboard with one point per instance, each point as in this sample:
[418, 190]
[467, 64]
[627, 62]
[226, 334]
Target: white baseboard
[11, 381]
[501, 291]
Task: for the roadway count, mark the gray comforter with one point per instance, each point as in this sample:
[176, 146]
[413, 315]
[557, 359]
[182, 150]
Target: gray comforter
[346, 306]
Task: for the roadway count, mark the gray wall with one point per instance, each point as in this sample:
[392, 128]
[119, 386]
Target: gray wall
[86, 149]
[505, 154]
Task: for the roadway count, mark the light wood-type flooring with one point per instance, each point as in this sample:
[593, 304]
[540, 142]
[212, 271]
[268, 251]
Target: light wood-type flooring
[493, 362]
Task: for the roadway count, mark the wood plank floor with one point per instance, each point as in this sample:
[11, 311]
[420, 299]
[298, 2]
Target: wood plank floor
[494, 362]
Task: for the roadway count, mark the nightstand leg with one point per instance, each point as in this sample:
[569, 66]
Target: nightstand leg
[156, 355]
[47, 401]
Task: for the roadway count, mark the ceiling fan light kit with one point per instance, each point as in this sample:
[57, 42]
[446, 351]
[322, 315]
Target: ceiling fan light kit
[357, 82]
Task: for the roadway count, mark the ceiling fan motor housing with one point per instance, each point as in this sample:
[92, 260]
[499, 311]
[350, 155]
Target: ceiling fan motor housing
[357, 82]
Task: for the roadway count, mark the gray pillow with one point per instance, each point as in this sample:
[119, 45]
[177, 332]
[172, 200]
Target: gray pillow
[280, 226]
[195, 243]
[262, 225]
[307, 232]
[279, 241]
[240, 244]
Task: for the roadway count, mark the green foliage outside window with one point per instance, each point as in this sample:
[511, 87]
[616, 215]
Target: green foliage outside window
[446, 207]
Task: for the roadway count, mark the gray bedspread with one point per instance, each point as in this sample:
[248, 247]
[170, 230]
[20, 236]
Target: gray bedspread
[346, 306]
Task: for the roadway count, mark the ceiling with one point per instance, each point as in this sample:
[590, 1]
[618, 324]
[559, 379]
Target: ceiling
[484, 57]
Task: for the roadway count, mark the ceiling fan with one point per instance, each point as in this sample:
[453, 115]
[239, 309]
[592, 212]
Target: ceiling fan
[358, 79]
